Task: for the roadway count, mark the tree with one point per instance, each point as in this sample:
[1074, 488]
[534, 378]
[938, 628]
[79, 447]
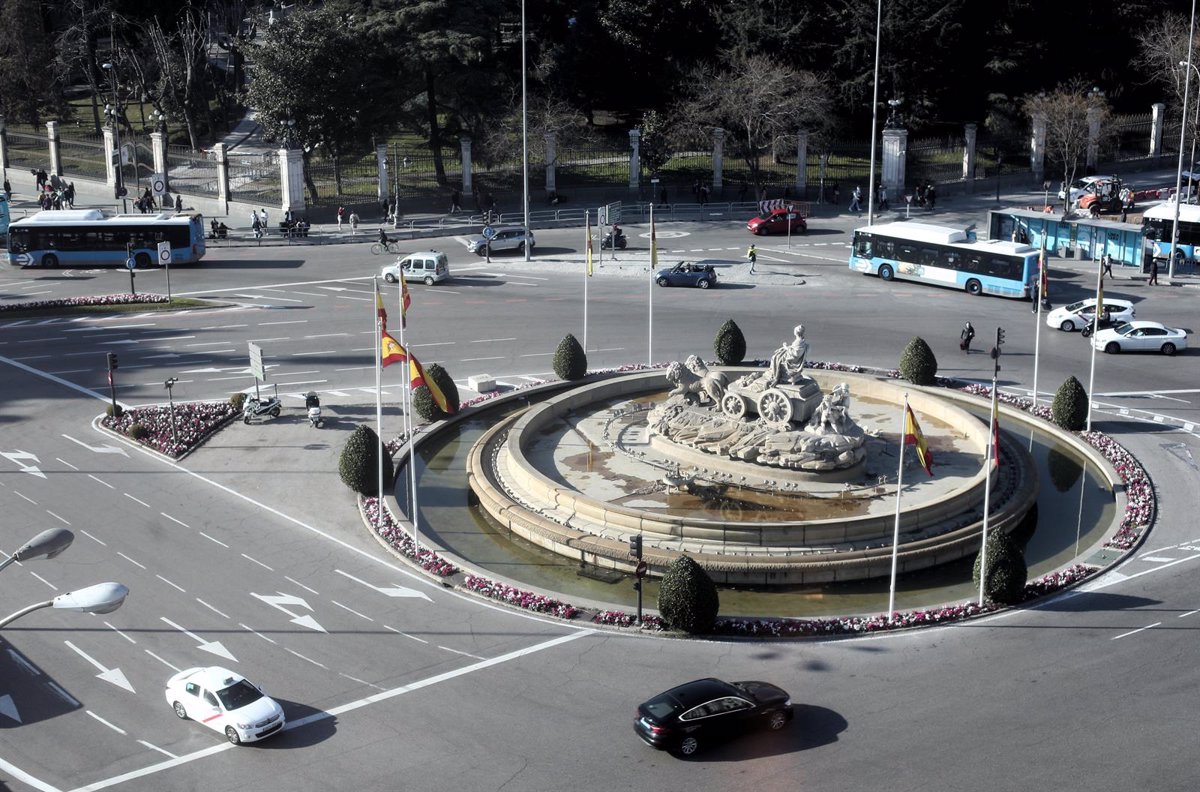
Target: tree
[655, 146]
[1006, 569]
[1070, 407]
[730, 344]
[570, 361]
[1162, 47]
[182, 60]
[27, 86]
[1066, 112]
[687, 597]
[918, 364]
[422, 397]
[501, 135]
[758, 102]
[363, 458]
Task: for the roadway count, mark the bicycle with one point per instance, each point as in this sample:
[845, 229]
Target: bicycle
[393, 246]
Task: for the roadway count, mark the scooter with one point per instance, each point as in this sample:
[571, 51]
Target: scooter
[256, 407]
[313, 403]
[608, 241]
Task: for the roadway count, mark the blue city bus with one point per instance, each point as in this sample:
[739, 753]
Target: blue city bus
[1157, 222]
[89, 237]
[3, 214]
[945, 257]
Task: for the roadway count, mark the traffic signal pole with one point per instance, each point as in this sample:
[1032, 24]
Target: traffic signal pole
[635, 550]
[112, 388]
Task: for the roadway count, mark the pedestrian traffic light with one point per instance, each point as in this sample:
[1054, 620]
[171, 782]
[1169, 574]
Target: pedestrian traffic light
[112, 361]
[635, 546]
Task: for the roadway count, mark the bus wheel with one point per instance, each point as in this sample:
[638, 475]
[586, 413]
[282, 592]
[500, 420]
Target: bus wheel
[886, 272]
[141, 260]
[974, 287]
[50, 260]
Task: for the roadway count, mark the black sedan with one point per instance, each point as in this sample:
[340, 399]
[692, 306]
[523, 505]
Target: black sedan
[686, 273]
[684, 718]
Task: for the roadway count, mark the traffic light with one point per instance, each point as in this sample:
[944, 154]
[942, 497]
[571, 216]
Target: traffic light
[635, 546]
[999, 336]
[112, 361]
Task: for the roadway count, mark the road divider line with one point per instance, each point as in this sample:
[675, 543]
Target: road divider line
[1135, 632]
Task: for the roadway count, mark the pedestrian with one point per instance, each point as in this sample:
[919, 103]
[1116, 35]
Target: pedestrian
[696, 191]
[40, 173]
[455, 201]
[662, 197]
[883, 198]
[70, 196]
[1153, 272]
[752, 257]
[930, 196]
[856, 200]
[1033, 298]
[257, 226]
[354, 222]
[1106, 262]
[266, 223]
[213, 225]
[341, 215]
[178, 202]
[965, 337]
[385, 205]
[7, 190]
[703, 194]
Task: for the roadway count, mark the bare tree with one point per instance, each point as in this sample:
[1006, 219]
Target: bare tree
[547, 113]
[76, 46]
[1162, 47]
[1066, 112]
[758, 102]
[182, 58]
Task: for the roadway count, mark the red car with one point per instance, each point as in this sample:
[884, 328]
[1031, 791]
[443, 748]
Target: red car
[776, 222]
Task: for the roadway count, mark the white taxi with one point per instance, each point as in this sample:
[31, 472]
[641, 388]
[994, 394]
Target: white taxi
[1077, 315]
[226, 702]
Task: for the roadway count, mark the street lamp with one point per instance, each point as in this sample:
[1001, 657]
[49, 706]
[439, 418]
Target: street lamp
[170, 383]
[874, 121]
[47, 544]
[1187, 85]
[1195, 126]
[112, 112]
[524, 138]
[160, 121]
[98, 598]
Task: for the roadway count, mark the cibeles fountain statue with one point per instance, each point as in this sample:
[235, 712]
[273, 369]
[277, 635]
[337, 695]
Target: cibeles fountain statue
[797, 427]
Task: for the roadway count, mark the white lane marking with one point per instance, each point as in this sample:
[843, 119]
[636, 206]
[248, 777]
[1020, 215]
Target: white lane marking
[93, 538]
[537, 354]
[26, 497]
[105, 483]
[1156, 559]
[211, 608]
[47, 582]
[130, 560]
[323, 352]
[356, 613]
[171, 666]
[478, 359]
[65, 462]
[256, 632]
[153, 747]
[406, 635]
[117, 729]
[169, 583]
[490, 340]
[207, 343]
[135, 500]
[327, 335]
[1135, 632]
[456, 651]
[1189, 613]
[301, 585]
[172, 519]
[55, 516]
[209, 538]
[118, 632]
[309, 659]
[256, 561]
[289, 321]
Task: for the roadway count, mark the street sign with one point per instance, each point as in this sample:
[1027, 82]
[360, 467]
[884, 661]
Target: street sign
[488, 232]
[256, 363]
[158, 185]
[164, 253]
[130, 263]
[642, 569]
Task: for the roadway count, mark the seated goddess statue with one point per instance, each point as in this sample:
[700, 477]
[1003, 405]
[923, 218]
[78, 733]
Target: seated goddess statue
[787, 363]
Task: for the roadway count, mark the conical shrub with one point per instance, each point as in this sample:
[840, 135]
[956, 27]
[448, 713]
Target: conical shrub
[422, 399]
[362, 457]
[687, 597]
[918, 364]
[730, 344]
[570, 361]
[1007, 570]
[1070, 407]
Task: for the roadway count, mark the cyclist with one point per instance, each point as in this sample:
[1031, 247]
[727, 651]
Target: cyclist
[383, 238]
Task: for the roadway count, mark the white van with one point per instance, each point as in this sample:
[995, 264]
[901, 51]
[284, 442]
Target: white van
[428, 267]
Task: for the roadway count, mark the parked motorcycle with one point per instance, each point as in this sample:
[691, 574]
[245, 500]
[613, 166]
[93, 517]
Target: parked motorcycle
[313, 403]
[257, 407]
[620, 241]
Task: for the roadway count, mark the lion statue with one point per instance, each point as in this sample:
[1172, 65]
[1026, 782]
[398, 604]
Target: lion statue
[695, 383]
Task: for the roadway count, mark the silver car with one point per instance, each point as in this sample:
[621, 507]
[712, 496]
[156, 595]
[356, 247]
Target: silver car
[506, 238]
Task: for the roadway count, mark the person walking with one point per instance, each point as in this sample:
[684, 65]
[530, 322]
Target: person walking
[1153, 272]
[1106, 262]
[883, 198]
[257, 226]
[455, 202]
[856, 200]
[341, 215]
[354, 222]
[266, 223]
[178, 202]
[7, 190]
[752, 257]
[968, 333]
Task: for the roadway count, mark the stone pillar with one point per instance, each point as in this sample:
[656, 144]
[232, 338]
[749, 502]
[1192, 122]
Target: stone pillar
[55, 154]
[382, 189]
[291, 178]
[1158, 119]
[970, 132]
[222, 175]
[635, 158]
[551, 140]
[1093, 139]
[1037, 147]
[801, 164]
[465, 143]
[110, 167]
[158, 147]
[718, 136]
[3, 144]
[895, 154]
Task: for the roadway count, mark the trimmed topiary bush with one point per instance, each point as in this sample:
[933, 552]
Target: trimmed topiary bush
[422, 398]
[1007, 570]
[137, 431]
[687, 597]
[917, 363]
[362, 457]
[1070, 407]
[238, 401]
[730, 344]
[114, 411]
[570, 361]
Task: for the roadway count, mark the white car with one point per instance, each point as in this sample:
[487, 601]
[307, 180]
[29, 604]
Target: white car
[504, 239]
[225, 701]
[1141, 337]
[1079, 187]
[1077, 315]
[428, 267]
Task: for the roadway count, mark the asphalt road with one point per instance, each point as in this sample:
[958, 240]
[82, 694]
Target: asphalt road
[391, 682]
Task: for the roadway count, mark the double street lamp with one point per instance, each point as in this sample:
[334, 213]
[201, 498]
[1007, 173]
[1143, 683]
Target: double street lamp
[169, 384]
[113, 113]
[99, 598]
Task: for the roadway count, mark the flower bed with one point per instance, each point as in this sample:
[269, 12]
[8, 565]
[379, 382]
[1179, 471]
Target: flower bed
[519, 597]
[402, 542]
[104, 299]
[194, 421]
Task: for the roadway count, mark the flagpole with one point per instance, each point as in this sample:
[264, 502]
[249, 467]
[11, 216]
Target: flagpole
[406, 400]
[987, 484]
[1037, 331]
[378, 405]
[896, 529]
[653, 264]
[1092, 341]
[587, 266]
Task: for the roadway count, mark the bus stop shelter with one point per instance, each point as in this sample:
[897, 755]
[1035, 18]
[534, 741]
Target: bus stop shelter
[1071, 236]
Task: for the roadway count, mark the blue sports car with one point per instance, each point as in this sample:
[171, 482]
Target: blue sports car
[686, 273]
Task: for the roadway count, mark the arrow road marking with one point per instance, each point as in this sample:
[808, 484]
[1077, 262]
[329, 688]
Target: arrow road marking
[101, 449]
[113, 675]
[392, 591]
[16, 457]
[279, 600]
[209, 646]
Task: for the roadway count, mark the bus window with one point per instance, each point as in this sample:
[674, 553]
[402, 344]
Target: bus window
[885, 248]
[950, 259]
[927, 257]
[906, 251]
[862, 245]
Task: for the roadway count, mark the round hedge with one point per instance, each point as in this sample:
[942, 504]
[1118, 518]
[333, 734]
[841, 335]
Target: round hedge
[730, 344]
[238, 401]
[918, 364]
[1007, 571]
[570, 361]
[422, 398]
[687, 597]
[362, 457]
[1070, 407]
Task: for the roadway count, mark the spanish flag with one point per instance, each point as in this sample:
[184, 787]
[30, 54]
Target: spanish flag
[913, 436]
[995, 430]
[405, 301]
[380, 311]
[390, 350]
[588, 231]
[1044, 287]
[418, 377]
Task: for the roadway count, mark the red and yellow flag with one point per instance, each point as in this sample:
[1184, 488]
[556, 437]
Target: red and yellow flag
[1043, 288]
[418, 377]
[913, 436]
[405, 301]
[588, 232]
[380, 311]
[995, 430]
[390, 350]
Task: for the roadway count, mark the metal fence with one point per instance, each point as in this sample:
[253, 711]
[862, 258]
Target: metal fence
[27, 151]
[934, 160]
[254, 178]
[1130, 136]
[191, 172]
[83, 157]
